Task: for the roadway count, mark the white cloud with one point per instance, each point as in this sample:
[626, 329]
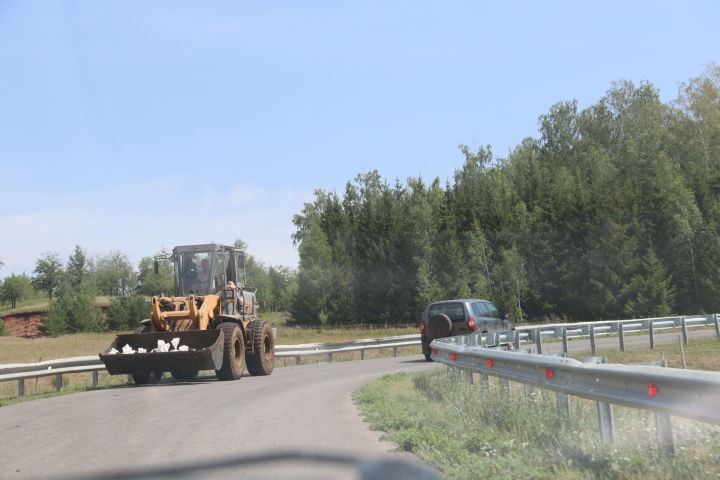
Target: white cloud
[141, 223]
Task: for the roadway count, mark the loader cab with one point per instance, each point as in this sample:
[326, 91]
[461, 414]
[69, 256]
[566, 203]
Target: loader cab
[207, 269]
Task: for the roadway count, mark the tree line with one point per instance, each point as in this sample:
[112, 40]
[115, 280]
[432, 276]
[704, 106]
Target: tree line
[72, 287]
[613, 211]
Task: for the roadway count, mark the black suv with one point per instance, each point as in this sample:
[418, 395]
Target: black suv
[460, 317]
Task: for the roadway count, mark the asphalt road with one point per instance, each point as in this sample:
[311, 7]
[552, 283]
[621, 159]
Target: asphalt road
[306, 408]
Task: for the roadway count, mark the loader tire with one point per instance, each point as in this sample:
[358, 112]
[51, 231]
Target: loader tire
[184, 375]
[261, 359]
[233, 363]
[146, 378]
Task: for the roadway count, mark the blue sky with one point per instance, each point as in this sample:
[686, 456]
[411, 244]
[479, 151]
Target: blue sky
[137, 125]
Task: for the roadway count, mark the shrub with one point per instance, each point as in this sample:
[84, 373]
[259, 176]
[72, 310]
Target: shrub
[72, 311]
[126, 311]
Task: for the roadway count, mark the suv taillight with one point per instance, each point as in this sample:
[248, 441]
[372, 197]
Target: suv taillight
[422, 327]
[471, 324]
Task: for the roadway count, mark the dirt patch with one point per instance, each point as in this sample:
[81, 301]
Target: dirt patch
[23, 324]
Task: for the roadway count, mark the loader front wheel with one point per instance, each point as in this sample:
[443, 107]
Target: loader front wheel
[146, 378]
[261, 359]
[233, 363]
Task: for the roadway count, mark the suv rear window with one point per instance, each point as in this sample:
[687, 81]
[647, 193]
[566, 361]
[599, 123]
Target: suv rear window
[480, 309]
[455, 311]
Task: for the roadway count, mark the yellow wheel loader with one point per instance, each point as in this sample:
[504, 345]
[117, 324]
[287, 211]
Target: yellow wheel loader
[210, 324]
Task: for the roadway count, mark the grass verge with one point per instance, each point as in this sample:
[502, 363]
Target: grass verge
[485, 432]
[21, 350]
[700, 354]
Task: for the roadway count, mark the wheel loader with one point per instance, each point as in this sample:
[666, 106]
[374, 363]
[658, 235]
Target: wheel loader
[210, 323]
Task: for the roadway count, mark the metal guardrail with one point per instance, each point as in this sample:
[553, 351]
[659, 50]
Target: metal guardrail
[666, 391]
[311, 349]
[537, 334]
[58, 367]
[591, 330]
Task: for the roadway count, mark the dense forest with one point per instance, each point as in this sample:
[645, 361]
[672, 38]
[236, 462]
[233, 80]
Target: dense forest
[613, 211]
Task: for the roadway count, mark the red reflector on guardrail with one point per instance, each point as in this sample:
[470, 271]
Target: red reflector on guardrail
[652, 389]
[453, 356]
[488, 362]
[548, 373]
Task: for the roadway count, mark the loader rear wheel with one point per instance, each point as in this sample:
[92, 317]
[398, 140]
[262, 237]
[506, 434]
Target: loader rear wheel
[146, 378]
[261, 359]
[233, 363]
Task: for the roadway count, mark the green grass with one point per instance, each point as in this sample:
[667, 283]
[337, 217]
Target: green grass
[33, 305]
[484, 432]
[700, 354]
[41, 305]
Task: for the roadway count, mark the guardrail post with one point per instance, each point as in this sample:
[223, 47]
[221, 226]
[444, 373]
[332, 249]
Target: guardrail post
[130, 379]
[527, 390]
[362, 354]
[538, 341]
[682, 353]
[58, 382]
[683, 325]
[651, 331]
[21, 387]
[563, 405]
[516, 339]
[565, 340]
[297, 360]
[394, 351]
[592, 339]
[330, 357]
[94, 378]
[717, 325]
[484, 379]
[663, 425]
[621, 337]
[605, 420]
[454, 374]
[467, 375]
[505, 384]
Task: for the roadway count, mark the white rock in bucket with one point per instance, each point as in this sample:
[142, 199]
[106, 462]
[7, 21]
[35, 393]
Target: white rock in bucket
[128, 349]
[142, 350]
[162, 346]
[183, 348]
[113, 351]
[175, 342]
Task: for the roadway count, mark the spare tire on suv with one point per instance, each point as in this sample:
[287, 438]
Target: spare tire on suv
[439, 326]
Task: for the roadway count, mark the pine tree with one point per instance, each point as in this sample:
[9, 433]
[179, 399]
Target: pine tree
[649, 293]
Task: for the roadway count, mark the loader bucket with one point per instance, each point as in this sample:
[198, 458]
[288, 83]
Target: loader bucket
[206, 352]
